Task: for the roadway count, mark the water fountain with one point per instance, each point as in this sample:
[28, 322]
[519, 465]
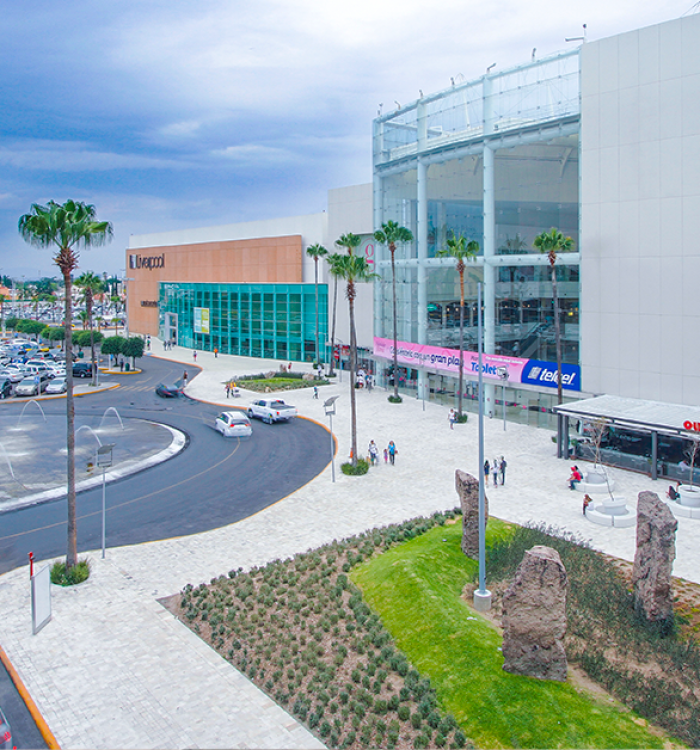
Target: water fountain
[86, 427]
[37, 404]
[9, 465]
[104, 416]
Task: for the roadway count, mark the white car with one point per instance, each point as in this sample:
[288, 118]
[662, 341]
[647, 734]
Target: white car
[57, 385]
[233, 424]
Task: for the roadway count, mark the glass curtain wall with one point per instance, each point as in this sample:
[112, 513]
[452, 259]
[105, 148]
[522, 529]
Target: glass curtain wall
[275, 321]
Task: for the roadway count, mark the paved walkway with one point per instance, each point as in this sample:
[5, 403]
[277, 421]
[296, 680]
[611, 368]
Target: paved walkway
[114, 669]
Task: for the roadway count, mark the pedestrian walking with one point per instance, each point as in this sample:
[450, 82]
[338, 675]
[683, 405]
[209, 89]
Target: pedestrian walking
[369, 381]
[451, 417]
[228, 389]
[502, 467]
[148, 343]
[494, 471]
[386, 456]
[319, 371]
[315, 391]
[194, 355]
[121, 365]
[216, 353]
[392, 452]
[373, 452]
[487, 471]
[184, 379]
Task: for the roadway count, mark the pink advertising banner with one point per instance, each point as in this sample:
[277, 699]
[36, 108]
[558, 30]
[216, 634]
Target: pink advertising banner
[447, 360]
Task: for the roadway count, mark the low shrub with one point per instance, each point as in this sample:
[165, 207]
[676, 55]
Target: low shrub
[461, 418]
[394, 399]
[362, 467]
[77, 574]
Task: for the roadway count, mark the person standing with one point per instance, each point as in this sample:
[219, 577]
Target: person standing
[228, 389]
[369, 381]
[494, 471]
[386, 456]
[315, 391]
[216, 353]
[392, 452]
[487, 471]
[194, 355]
[373, 452]
[451, 418]
[502, 466]
[184, 379]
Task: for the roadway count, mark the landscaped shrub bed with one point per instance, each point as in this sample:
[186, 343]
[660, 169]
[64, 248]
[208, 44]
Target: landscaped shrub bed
[281, 381]
[655, 671]
[300, 630]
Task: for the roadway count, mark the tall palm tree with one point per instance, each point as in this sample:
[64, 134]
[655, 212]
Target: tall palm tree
[349, 241]
[316, 251]
[66, 227]
[91, 285]
[459, 249]
[333, 261]
[552, 242]
[389, 235]
[353, 270]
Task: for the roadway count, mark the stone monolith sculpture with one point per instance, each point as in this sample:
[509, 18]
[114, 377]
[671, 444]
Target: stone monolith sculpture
[534, 617]
[467, 488]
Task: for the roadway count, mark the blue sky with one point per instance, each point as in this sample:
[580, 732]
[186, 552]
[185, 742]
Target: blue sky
[173, 114]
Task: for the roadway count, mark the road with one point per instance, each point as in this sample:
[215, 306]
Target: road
[215, 481]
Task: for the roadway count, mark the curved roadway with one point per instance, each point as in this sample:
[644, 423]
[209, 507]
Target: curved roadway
[215, 481]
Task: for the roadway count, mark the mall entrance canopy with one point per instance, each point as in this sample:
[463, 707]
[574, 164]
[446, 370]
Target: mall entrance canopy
[651, 417]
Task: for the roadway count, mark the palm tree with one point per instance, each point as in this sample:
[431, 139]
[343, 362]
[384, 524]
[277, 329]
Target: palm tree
[333, 268]
[316, 251]
[552, 242]
[389, 235]
[349, 241]
[92, 285]
[353, 270]
[459, 249]
[66, 227]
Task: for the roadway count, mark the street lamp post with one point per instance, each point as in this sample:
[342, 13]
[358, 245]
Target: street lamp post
[104, 460]
[329, 406]
[502, 373]
[482, 597]
[126, 311]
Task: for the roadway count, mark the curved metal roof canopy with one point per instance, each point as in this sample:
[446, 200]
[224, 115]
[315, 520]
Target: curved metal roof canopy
[636, 414]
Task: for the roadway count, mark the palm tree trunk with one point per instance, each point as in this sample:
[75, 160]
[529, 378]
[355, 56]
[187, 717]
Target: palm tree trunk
[392, 248]
[335, 304]
[461, 343]
[72, 551]
[353, 350]
[557, 332]
[316, 282]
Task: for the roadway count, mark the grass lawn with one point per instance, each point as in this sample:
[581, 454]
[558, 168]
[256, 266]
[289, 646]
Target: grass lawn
[416, 589]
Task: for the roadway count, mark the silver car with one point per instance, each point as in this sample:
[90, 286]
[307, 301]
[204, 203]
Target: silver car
[57, 385]
[32, 386]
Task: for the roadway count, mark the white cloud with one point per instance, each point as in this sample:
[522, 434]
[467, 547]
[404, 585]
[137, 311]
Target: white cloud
[253, 154]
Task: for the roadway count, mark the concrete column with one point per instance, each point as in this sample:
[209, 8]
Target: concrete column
[422, 248]
[489, 271]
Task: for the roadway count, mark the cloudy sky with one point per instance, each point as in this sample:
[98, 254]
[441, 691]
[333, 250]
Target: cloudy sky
[169, 114]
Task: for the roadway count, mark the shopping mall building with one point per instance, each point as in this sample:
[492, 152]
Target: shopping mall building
[601, 142]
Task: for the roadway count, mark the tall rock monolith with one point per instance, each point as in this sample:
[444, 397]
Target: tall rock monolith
[467, 488]
[653, 560]
[534, 617]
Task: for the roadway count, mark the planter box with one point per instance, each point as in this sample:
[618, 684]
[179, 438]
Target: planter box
[690, 496]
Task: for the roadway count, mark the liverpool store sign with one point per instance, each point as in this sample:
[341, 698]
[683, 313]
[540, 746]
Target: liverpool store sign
[150, 262]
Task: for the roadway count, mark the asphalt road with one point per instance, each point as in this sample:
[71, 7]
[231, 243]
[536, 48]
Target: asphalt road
[213, 482]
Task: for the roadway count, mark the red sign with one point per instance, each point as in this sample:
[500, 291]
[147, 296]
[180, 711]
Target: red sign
[692, 426]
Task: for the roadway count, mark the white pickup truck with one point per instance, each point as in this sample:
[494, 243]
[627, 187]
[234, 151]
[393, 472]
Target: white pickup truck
[271, 410]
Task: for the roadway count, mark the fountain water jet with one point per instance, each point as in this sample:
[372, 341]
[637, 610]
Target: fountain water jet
[9, 466]
[104, 416]
[94, 434]
[37, 404]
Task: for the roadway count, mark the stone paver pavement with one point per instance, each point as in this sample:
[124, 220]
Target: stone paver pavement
[115, 669]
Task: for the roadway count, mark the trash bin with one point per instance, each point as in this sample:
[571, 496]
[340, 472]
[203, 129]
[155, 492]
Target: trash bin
[127, 367]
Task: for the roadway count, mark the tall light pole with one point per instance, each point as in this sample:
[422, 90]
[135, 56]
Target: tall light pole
[502, 373]
[482, 597]
[126, 310]
[104, 460]
[329, 406]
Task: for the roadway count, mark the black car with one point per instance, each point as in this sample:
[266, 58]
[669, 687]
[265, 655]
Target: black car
[82, 370]
[5, 388]
[168, 391]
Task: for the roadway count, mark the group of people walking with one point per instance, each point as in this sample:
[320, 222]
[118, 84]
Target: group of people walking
[498, 467]
[390, 453]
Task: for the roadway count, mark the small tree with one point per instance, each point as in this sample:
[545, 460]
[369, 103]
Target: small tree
[12, 322]
[316, 252]
[691, 454]
[113, 345]
[133, 347]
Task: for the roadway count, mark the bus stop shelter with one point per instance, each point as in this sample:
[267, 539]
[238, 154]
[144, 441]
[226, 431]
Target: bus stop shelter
[653, 417]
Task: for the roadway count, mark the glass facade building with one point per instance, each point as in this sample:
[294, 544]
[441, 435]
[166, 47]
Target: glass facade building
[276, 321]
[495, 160]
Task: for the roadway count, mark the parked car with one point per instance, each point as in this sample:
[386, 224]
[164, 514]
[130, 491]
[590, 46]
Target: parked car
[271, 410]
[233, 424]
[168, 391]
[57, 385]
[13, 374]
[5, 387]
[5, 732]
[32, 386]
[82, 369]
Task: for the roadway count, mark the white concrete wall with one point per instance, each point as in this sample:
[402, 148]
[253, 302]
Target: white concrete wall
[640, 213]
[350, 210]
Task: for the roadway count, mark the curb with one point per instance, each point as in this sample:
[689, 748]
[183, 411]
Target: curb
[39, 720]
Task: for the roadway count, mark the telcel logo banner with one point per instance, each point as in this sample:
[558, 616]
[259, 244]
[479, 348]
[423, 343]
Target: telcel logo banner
[150, 262]
[541, 373]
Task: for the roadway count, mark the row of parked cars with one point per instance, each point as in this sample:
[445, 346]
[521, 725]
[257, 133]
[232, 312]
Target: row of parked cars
[37, 376]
